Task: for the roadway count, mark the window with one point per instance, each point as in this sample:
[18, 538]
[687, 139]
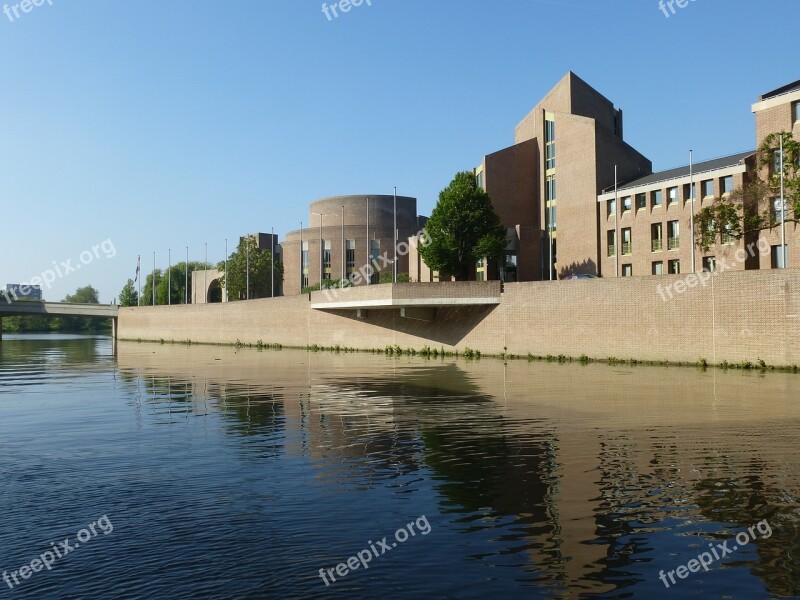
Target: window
[674, 267]
[726, 184]
[658, 268]
[480, 270]
[709, 264]
[708, 188]
[727, 237]
[479, 180]
[326, 259]
[776, 162]
[611, 238]
[672, 195]
[626, 204]
[796, 111]
[509, 268]
[657, 237]
[374, 252]
[550, 144]
[641, 201]
[779, 257]
[304, 265]
[626, 240]
[550, 203]
[627, 270]
[612, 207]
[687, 192]
[777, 214]
[351, 256]
[656, 198]
[673, 235]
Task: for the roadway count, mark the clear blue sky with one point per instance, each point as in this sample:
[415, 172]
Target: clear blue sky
[165, 124]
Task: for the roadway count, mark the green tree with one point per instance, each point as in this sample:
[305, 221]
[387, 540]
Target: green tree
[463, 228]
[751, 207]
[129, 296]
[260, 264]
[83, 295]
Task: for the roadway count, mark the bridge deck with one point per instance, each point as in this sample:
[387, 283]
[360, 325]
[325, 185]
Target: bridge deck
[12, 309]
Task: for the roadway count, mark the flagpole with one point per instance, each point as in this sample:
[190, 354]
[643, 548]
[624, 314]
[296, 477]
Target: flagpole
[205, 277]
[247, 245]
[226, 269]
[139, 277]
[169, 277]
[369, 247]
[272, 258]
[186, 286]
[691, 196]
[302, 272]
[394, 263]
[154, 279]
[617, 241]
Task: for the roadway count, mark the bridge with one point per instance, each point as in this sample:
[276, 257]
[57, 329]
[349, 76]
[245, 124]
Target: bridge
[58, 309]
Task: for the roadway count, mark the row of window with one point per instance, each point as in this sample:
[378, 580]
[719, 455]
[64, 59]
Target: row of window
[656, 238]
[350, 258]
[779, 256]
[657, 196]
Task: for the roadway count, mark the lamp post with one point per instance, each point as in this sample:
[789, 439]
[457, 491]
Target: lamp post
[394, 262]
[343, 250]
[321, 249]
[691, 196]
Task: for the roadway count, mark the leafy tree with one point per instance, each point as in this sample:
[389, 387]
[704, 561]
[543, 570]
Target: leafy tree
[83, 295]
[750, 208]
[463, 227]
[260, 264]
[129, 296]
[146, 298]
[387, 276]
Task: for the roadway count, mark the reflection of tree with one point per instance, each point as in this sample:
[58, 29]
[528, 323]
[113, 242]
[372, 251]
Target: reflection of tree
[255, 414]
[748, 499]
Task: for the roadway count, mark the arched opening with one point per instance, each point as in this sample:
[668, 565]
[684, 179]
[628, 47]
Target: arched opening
[214, 292]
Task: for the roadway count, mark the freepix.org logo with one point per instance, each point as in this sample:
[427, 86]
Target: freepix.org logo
[13, 11]
[664, 5]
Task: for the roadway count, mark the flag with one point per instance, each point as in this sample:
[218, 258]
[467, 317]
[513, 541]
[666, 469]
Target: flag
[138, 266]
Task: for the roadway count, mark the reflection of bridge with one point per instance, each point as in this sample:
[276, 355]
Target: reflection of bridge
[58, 309]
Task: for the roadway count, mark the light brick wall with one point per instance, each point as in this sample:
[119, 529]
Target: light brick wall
[736, 316]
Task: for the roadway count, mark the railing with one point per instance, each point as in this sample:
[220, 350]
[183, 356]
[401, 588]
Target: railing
[626, 248]
[658, 245]
[674, 243]
[612, 249]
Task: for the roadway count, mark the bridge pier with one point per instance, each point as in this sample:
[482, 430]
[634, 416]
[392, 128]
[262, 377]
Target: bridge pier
[114, 326]
[1, 328]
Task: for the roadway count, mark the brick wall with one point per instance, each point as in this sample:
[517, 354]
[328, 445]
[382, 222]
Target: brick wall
[736, 316]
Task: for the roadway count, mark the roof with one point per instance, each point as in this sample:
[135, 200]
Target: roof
[782, 90]
[701, 167]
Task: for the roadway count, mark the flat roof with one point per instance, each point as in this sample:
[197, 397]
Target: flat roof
[701, 167]
[791, 87]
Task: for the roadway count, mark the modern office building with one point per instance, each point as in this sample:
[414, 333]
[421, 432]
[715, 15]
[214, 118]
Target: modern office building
[344, 235]
[23, 291]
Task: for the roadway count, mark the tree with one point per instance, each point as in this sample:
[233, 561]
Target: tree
[129, 296]
[752, 207]
[83, 295]
[260, 264]
[463, 228]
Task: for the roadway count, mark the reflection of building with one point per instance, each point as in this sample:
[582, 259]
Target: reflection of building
[24, 291]
[335, 244]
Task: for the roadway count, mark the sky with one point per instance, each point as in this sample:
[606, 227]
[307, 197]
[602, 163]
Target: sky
[129, 128]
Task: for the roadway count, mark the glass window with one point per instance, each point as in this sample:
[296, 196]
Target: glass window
[626, 204]
[626, 240]
[726, 184]
[657, 237]
[479, 180]
[326, 259]
[672, 195]
[374, 253]
[796, 111]
[709, 264]
[612, 207]
[351, 256]
[509, 268]
[611, 239]
[657, 198]
[550, 144]
[641, 201]
[777, 213]
[674, 235]
[304, 264]
[708, 188]
[627, 270]
[779, 256]
[687, 192]
[658, 268]
[674, 267]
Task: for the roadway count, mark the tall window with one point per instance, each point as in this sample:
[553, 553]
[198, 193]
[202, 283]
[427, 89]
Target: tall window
[509, 268]
[709, 264]
[626, 204]
[626, 240]
[674, 235]
[687, 192]
[657, 237]
[304, 265]
[326, 259]
[726, 184]
[612, 207]
[708, 188]
[658, 268]
[611, 239]
[627, 270]
[777, 213]
[374, 253]
[641, 201]
[480, 270]
[550, 203]
[550, 144]
[479, 180]
[796, 111]
[779, 256]
[657, 198]
[351, 256]
[672, 195]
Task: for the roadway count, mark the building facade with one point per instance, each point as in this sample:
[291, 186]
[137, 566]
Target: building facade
[347, 234]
